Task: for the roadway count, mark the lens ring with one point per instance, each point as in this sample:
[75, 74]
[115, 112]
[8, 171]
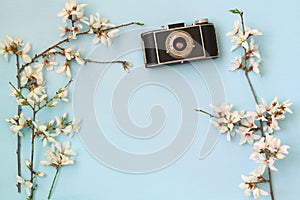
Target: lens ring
[172, 46]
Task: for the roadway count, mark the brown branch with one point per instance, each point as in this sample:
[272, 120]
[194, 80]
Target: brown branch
[258, 182]
[104, 62]
[123, 25]
[32, 154]
[19, 137]
[251, 86]
[41, 54]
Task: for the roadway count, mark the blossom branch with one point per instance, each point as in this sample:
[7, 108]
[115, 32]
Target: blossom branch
[256, 101]
[239, 123]
[68, 40]
[20, 94]
[48, 102]
[266, 148]
[124, 63]
[31, 91]
[18, 136]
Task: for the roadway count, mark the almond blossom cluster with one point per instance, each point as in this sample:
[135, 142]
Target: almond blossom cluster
[256, 128]
[240, 38]
[246, 124]
[59, 155]
[75, 20]
[31, 95]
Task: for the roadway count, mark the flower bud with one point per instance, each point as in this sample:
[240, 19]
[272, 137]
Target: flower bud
[40, 174]
[27, 162]
[54, 103]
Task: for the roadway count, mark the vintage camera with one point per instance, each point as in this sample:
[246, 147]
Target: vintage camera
[180, 43]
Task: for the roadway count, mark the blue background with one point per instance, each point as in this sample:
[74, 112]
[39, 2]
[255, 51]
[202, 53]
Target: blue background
[217, 176]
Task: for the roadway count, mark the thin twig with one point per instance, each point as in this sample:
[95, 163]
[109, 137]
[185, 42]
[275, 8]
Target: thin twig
[104, 62]
[258, 182]
[251, 86]
[207, 113]
[53, 182]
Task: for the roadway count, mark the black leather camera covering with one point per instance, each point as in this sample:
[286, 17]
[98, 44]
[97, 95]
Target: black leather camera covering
[161, 39]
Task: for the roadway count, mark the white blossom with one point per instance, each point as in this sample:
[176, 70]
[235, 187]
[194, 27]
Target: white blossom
[36, 96]
[58, 155]
[33, 76]
[9, 46]
[249, 120]
[78, 57]
[254, 66]
[260, 111]
[252, 32]
[65, 69]
[267, 150]
[59, 123]
[47, 64]
[90, 23]
[27, 184]
[240, 39]
[64, 30]
[70, 54]
[105, 37]
[72, 127]
[43, 132]
[98, 22]
[71, 8]
[75, 30]
[222, 109]
[235, 29]
[226, 119]
[23, 53]
[249, 185]
[237, 63]
[247, 135]
[50, 54]
[271, 125]
[17, 124]
[63, 94]
[253, 50]
[5, 50]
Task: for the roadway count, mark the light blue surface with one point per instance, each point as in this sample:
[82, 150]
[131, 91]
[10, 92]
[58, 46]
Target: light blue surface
[217, 176]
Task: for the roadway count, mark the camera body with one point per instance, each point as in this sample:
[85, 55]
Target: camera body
[180, 43]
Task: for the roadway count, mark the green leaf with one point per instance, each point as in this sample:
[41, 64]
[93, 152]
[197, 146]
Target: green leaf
[235, 11]
[139, 23]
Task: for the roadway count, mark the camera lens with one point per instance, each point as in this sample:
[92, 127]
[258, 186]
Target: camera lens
[179, 44]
